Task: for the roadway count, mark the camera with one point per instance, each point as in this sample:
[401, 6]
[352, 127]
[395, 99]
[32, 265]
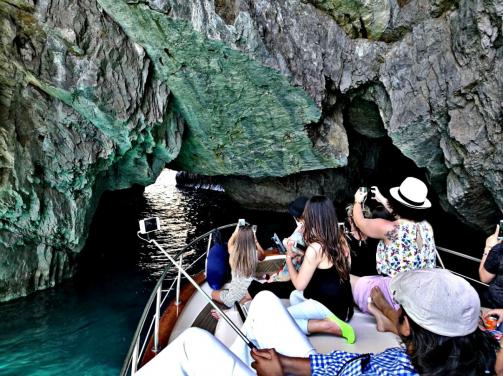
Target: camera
[149, 224]
[500, 232]
[241, 222]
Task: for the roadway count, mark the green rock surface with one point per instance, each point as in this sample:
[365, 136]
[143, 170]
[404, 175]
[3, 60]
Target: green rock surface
[243, 118]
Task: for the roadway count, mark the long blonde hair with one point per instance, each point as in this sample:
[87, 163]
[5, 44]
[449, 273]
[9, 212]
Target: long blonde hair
[243, 258]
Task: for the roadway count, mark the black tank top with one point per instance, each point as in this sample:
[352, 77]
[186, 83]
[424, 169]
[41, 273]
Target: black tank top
[327, 288]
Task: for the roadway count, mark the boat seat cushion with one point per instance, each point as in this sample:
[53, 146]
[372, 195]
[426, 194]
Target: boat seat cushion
[218, 270]
[368, 339]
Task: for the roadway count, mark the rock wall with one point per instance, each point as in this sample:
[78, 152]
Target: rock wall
[278, 97]
[432, 68]
[80, 113]
[86, 108]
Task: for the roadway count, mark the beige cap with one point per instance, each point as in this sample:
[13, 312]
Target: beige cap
[438, 301]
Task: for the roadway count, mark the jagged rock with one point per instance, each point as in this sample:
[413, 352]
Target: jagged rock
[100, 94]
[438, 76]
[79, 114]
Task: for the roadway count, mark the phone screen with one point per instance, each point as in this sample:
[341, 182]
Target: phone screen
[500, 233]
[151, 224]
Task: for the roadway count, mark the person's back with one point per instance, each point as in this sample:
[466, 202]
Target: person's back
[410, 246]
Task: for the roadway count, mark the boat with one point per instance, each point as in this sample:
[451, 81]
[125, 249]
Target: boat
[175, 305]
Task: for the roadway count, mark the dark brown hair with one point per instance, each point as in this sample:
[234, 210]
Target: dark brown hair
[320, 226]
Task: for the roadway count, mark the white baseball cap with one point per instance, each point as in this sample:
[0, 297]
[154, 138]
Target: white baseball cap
[438, 301]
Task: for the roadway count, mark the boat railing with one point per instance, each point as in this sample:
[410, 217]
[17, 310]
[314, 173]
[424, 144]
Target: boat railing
[462, 255]
[159, 296]
[156, 301]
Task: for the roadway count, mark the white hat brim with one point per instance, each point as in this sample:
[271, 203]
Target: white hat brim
[394, 192]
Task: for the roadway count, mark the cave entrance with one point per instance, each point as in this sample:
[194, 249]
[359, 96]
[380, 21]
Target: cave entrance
[377, 161]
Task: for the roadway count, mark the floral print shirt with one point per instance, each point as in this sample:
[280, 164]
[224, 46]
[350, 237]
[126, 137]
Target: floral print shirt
[411, 246]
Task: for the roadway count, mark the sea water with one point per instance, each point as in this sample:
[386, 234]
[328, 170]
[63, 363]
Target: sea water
[85, 326]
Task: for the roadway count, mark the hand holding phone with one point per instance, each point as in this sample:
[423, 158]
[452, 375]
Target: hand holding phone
[376, 194]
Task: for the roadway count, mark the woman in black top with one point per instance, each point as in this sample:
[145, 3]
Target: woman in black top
[323, 289]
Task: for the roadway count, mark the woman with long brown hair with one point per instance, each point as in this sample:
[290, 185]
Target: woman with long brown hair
[323, 289]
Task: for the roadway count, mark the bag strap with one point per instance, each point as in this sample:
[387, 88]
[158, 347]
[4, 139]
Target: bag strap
[365, 359]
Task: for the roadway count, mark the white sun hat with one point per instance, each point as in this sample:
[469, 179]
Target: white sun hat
[412, 193]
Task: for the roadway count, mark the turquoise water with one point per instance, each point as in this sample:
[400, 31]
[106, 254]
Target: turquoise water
[85, 326]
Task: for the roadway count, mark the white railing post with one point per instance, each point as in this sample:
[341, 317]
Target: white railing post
[209, 243]
[178, 283]
[157, 318]
[134, 361]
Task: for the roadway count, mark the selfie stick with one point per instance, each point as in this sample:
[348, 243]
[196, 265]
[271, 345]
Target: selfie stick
[206, 296]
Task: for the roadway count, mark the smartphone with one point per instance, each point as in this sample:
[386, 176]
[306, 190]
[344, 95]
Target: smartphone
[500, 233]
[149, 224]
[241, 222]
[300, 246]
[278, 243]
[363, 190]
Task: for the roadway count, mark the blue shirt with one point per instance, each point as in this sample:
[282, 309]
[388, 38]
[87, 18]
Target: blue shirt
[393, 361]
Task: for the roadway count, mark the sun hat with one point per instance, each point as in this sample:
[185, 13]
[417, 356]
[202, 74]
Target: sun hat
[412, 193]
[438, 301]
[296, 207]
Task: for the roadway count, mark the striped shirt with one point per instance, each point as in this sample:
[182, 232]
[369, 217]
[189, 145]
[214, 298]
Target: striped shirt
[393, 361]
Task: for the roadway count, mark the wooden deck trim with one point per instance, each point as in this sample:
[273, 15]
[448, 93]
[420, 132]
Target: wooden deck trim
[169, 317]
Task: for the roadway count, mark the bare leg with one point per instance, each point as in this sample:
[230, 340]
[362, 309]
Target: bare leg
[383, 323]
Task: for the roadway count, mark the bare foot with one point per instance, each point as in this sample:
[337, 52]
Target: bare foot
[215, 314]
[383, 323]
[324, 326]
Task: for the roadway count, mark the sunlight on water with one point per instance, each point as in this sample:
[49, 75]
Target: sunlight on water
[85, 326]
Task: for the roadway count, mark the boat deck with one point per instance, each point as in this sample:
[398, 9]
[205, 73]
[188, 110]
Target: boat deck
[197, 313]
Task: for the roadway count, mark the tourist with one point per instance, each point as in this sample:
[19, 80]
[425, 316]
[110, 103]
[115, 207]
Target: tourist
[294, 241]
[363, 248]
[323, 288]
[282, 286]
[243, 251]
[405, 243]
[438, 326]
[491, 271]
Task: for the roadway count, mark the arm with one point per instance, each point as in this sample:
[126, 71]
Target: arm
[373, 228]
[260, 250]
[380, 198]
[312, 259]
[232, 240]
[485, 275]
[267, 362]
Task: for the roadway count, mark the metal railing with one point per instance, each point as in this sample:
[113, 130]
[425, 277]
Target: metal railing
[157, 299]
[462, 255]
